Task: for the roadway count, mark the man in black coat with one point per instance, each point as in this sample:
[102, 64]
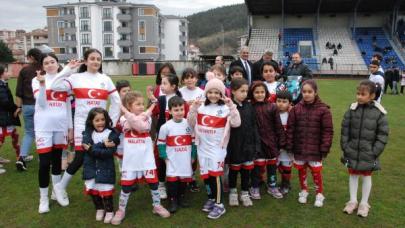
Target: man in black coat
[246, 65]
[257, 66]
[298, 68]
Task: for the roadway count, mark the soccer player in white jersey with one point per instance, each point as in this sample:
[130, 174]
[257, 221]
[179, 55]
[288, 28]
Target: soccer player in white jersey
[52, 122]
[177, 149]
[92, 89]
[138, 163]
[212, 122]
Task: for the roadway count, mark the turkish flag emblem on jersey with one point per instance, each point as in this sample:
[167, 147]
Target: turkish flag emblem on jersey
[179, 140]
[84, 93]
[135, 134]
[56, 96]
[211, 121]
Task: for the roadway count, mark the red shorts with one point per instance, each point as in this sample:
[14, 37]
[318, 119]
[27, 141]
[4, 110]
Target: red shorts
[360, 173]
[6, 131]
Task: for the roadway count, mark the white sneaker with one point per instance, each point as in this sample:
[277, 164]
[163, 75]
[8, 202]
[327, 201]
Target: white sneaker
[28, 158]
[302, 196]
[245, 198]
[43, 205]
[162, 190]
[233, 199]
[319, 200]
[61, 195]
[2, 171]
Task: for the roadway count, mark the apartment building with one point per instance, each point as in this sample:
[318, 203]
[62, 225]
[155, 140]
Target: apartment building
[119, 29]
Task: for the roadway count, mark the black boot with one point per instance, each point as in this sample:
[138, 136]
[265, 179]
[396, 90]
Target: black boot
[173, 205]
[182, 202]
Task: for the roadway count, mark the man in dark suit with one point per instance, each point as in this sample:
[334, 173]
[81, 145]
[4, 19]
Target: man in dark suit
[246, 65]
[257, 66]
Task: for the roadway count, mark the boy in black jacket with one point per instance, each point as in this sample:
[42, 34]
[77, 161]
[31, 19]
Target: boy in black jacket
[8, 116]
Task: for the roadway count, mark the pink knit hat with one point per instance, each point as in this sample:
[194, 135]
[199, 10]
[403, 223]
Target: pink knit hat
[215, 83]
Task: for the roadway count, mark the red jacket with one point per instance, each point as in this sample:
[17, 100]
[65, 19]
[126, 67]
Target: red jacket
[271, 130]
[310, 131]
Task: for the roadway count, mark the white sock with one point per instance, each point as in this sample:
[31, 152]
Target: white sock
[122, 205]
[366, 189]
[56, 179]
[353, 186]
[43, 192]
[65, 180]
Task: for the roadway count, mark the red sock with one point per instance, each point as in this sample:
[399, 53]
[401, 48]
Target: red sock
[14, 140]
[317, 176]
[302, 174]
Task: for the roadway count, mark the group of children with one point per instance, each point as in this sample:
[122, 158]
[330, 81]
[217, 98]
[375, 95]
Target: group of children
[230, 125]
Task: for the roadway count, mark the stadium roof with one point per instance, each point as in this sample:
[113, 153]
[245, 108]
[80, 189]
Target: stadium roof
[265, 7]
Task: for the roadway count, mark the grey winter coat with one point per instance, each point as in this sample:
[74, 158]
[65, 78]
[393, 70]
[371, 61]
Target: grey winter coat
[364, 135]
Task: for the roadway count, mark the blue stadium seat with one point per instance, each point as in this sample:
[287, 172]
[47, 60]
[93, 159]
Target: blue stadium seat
[291, 39]
[364, 39]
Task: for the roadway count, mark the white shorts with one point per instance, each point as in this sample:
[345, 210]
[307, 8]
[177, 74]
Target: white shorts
[46, 141]
[315, 166]
[129, 178]
[93, 188]
[210, 167]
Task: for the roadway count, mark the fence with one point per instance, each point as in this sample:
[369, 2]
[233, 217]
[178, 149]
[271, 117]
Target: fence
[126, 68]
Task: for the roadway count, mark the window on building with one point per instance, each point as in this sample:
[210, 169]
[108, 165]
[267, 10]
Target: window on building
[73, 37]
[107, 13]
[62, 50]
[148, 50]
[125, 49]
[123, 37]
[61, 37]
[124, 11]
[84, 49]
[72, 11]
[183, 43]
[108, 38]
[107, 26]
[61, 24]
[85, 38]
[74, 50]
[124, 24]
[141, 31]
[108, 52]
[183, 33]
[84, 25]
[84, 12]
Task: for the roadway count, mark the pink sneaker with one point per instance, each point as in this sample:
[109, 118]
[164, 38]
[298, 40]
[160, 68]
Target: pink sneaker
[350, 207]
[363, 210]
[118, 217]
[99, 215]
[161, 211]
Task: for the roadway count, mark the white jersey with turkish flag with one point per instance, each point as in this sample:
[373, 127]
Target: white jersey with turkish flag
[138, 150]
[54, 115]
[91, 90]
[178, 139]
[211, 121]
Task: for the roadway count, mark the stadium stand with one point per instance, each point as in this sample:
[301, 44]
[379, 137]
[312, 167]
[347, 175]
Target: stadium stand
[263, 39]
[348, 57]
[374, 40]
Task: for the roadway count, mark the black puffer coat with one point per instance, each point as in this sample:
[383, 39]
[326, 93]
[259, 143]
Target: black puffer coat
[98, 161]
[7, 107]
[244, 142]
[364, 135]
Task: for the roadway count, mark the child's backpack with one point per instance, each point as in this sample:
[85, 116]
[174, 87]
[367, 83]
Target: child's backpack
[293, 85]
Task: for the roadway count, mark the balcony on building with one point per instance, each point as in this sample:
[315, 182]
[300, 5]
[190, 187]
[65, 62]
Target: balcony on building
[124, 43]
[124, 30]
[124, 17]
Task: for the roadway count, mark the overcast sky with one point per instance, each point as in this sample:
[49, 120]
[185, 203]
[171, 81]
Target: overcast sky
[30, 14]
